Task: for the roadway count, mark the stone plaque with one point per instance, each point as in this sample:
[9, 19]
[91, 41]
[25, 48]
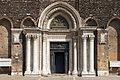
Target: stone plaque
[5, 62]
[114, 63]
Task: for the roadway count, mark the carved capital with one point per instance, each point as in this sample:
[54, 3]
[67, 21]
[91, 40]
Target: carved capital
[28, 36]
[84, 36]
[44, 38]
[92, 37]
[35, 36]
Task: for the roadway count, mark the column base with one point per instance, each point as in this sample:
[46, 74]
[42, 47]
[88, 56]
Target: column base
[27, 72]
[75, 72]
[49, 72]
[92, 74]
[35, 72]
[69, 72]
[16, 73]
[44, 73]
[84, 74]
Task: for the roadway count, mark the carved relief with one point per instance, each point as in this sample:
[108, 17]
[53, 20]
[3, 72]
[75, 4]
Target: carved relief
[59, 22]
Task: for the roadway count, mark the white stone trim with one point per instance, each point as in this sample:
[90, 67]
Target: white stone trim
[28, 55]
[59, 40]
[84, 71]
[75, 71]
[44, 51]
[103, 73]
[59, 4]
[35, 55]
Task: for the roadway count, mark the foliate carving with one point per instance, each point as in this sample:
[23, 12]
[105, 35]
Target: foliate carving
[44, 38]
[59, 22]
[103, 38]
[84, 36]
[28, 36]
[92, 37]
[35, 36]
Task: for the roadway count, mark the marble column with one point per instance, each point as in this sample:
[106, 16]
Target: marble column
[28, 54]
[91, 68]
[48, 57]
[35, 54]
[84, 71]
[70, 57]
[44, 51]
[75, 72]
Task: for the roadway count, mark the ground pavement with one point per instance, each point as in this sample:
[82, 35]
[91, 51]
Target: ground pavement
[5, 77]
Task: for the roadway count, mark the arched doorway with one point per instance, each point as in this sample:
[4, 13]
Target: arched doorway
[114, 42]
[5, 42]
[59, 18]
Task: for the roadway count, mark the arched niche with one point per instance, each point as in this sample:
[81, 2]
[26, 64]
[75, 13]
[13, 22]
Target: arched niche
[114, 39]
[5, 38]
[91, 22]
[28, 22]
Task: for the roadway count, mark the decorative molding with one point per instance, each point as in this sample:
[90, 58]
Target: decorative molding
[16, 35]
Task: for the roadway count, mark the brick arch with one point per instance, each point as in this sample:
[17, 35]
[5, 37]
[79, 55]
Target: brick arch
[113, 28]
[5, 35]
[8, 19]
[112, 20]
[60, 6]
[28, 21]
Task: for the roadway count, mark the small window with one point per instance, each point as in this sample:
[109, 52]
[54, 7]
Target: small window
[59, 22]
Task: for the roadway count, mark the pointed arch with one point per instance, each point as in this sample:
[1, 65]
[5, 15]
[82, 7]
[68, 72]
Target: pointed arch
[56, 7]
[8, 19]
[28, 22]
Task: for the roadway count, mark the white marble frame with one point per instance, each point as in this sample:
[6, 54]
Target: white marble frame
[59, 40]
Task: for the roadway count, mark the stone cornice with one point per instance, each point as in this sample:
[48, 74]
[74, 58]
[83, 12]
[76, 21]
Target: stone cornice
[31, 30]
[88, 28]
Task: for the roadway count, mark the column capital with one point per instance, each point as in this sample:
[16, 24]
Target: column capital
[74, 38]
[28, 36]
[92, 36]
[35, 36]
[84, 36]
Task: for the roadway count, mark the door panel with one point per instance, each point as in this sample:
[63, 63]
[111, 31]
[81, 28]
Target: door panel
[59, 62]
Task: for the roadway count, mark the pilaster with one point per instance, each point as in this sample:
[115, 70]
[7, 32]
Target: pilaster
[102, 53]
[16, 55]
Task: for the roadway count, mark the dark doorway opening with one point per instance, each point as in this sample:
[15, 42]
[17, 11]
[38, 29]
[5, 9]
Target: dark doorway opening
[59, 62]
[59, 57]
